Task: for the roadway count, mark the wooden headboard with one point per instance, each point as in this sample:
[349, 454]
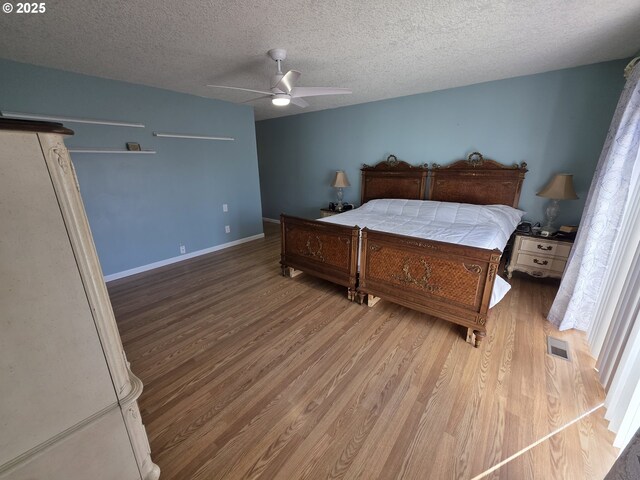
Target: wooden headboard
[478, 181]
[393, 178]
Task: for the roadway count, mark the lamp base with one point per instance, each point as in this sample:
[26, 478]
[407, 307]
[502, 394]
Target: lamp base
[552, 213]
[339, 206]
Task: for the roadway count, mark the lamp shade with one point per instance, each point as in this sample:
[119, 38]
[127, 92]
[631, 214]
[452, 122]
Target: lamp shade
[559, 188]
[341, 180]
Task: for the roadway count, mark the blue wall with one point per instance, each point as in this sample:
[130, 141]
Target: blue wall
[141, 207]
[556, 122]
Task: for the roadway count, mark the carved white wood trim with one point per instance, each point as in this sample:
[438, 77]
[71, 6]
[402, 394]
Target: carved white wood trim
[68, 193]
[127, 386]
[140, 443]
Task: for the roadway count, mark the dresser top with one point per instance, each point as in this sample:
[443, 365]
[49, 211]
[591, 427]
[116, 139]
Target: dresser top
[33, 126]
[542, 238]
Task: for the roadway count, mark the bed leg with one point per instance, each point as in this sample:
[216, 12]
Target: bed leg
[361, 297]
[471, 337]
[372, 300]
[290, 272]
[351, 294]
[479, 337]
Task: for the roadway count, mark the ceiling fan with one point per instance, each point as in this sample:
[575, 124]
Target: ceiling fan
[283, 86]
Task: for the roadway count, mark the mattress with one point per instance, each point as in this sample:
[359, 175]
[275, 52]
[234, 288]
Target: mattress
[482, 226]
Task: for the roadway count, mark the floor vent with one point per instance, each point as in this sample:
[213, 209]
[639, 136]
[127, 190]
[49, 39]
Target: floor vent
[558, 348]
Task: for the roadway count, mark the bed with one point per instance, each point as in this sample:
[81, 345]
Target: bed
[450, 281]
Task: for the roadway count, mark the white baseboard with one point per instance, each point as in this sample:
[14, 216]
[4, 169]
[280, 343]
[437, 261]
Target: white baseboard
[270, 220]
[169, 261]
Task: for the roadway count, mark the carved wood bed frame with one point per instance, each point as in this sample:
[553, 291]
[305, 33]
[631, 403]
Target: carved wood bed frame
[450, 281]
[393, 178]
[321, 249]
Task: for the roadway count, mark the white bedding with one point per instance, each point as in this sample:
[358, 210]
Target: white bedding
[483, 226]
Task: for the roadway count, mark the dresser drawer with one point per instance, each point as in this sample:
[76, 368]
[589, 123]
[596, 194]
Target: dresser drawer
[541, 262]
[539, 257]
[539, 246]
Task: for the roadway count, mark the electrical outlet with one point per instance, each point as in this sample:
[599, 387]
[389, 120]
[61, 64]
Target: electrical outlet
[225, 207]
[183, 249]
[227, 229]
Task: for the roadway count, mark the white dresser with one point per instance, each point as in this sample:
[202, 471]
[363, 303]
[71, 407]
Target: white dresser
[539, 256]
[68, 405]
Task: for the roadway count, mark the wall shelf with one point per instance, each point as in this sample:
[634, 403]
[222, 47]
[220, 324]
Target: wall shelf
[110, 150]
[57, 118]
[190, 136]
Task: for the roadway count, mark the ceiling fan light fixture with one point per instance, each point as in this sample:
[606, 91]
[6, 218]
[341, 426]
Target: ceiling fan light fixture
[283, 86]
[281, 100]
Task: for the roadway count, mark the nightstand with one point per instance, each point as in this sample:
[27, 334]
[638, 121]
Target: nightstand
[539, 256]
[325, 212]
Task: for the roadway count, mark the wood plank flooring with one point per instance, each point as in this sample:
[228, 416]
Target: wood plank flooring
[249, 374]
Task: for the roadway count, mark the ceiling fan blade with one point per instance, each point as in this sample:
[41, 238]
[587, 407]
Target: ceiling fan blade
[240, 88]
[257, 98]
[288, 81]
[300, 102]
[316, 91]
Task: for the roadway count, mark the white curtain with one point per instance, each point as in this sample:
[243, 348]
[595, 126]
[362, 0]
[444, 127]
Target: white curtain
[576, 302]
[619, 361]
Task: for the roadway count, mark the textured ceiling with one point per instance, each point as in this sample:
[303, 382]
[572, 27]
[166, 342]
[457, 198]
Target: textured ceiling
[378, 48]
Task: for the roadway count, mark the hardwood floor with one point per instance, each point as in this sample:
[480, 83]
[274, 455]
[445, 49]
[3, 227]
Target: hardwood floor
[249, 374]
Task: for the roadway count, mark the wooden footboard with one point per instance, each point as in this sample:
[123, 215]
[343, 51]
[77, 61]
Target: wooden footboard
[321, 249]
[448, 281]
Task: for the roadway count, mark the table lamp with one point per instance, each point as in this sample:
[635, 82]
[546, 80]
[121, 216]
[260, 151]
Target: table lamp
[559, 188]
[340, 181]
